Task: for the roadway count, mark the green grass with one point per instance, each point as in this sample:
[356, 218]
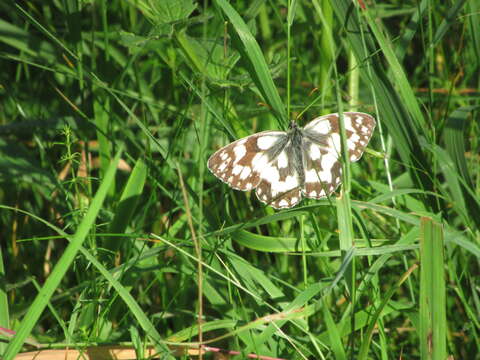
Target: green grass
[115, 232]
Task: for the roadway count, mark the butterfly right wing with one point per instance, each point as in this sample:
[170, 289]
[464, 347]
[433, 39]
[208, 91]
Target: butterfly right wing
[359, 128]
[240, 163]
[263, 161]
[322, 149]
[323, 169]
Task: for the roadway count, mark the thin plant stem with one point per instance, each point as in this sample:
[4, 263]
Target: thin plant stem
[198, 250]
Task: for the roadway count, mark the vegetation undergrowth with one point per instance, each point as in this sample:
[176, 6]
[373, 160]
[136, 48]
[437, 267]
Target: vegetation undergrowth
[116, 234]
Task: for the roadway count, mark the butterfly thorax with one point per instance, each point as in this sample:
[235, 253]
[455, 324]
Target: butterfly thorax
[295, 137]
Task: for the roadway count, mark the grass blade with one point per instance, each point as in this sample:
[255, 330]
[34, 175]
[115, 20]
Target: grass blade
[456, 146]
[252, 54]
[448, 21]
[363, 353]
[401, 114]
[267, 243]
[333, 333]
[41, 301]
[101, 108]
[128, 202]
[433, 319]
[4, 311]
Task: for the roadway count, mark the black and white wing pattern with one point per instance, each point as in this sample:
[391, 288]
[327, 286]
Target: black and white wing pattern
[322, 150]
[284, 166]
[262, 161]
[281, 179]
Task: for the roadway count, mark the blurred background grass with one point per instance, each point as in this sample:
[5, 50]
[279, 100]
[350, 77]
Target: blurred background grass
[163, 84]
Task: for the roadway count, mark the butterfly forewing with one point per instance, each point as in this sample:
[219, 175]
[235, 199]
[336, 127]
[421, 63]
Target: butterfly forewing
[322, 149]
[239, 163]
[358, 127]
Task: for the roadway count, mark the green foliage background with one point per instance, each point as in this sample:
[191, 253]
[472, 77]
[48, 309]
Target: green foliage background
[109, 111]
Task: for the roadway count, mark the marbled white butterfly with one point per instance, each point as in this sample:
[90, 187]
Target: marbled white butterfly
[284, 166]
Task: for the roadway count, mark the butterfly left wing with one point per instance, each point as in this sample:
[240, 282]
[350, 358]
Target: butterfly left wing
[321, 147]
[264, 161]
[239, 164]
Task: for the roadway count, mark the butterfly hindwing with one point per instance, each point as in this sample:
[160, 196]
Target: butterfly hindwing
[280, 183]
[238, 164]
[322, 169]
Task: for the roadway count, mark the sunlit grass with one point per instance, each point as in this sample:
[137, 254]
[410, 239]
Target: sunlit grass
[104, 105]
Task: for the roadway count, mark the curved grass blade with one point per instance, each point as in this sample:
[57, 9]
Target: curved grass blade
[129, 300]
[128, 202]
[455, 146]
[38, 306]
[363, 353]
[399, 109]
[267, 243]
[250, 51]
[410, 219]
[448, 21]
[333, 333]
[4, 312]
[455, 139]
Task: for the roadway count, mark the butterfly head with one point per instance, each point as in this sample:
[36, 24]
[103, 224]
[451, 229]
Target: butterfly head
[295, 132]
[293, 125]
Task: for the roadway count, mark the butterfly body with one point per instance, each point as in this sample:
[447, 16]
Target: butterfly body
[284, 166]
